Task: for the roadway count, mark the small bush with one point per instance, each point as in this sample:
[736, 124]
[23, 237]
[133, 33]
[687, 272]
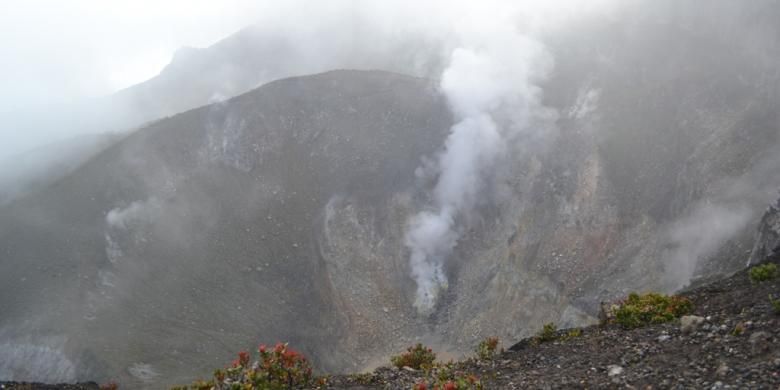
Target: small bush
[363, 379]
[640, 310]
[548, 333]
[276, 369]
[775, 305]
[576, 332]
[416, 357]
[738, 329]
[109, 386]
[487, 348]
[762, 273]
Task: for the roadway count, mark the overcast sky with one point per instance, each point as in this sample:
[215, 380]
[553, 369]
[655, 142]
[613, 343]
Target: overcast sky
[54, 50]
[60, 49]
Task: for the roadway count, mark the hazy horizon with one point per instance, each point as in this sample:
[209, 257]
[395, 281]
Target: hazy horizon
[60, 56]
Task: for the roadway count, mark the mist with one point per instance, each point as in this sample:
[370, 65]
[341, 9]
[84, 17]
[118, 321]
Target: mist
[491, 84]
[730, 208]
[98, 69]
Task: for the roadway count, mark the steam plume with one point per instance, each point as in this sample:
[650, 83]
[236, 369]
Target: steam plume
[491, 87]
[733, 205]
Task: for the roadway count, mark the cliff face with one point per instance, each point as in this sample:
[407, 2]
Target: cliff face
[661, 167]
[281, 214]
[767, 242]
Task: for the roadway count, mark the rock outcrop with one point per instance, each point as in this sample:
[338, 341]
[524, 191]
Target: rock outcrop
[767, 242]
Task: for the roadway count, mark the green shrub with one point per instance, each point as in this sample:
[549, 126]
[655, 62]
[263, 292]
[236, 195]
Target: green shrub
[762, 273]
[549, 332]
[576, 332]
[487, 348]
[775, 305]
[416, 357]
[276, 369]
[651, 308]
[739, 328]
[363, 379]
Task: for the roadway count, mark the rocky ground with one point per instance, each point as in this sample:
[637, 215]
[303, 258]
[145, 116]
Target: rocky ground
[734, 346]
[41, 386]
[729, 342]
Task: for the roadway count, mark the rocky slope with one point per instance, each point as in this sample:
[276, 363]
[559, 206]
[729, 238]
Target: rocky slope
[215, 228]
[730, 341]
[709, 355]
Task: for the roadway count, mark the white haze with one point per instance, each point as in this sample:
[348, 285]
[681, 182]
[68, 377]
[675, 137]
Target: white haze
[731, 206]
[62, 50]
[59, 56]
[701, 233]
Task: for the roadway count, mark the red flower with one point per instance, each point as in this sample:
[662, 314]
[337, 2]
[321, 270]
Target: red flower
[421, 386]
[450, 386]
[290, 358]
[262, 348]
[243, 358]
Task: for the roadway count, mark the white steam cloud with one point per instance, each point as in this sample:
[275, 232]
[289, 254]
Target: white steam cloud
[733, 205]
[491, 85]
[122, 218]
[702, 233]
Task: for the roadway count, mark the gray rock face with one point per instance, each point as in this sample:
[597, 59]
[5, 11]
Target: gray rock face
[280, 215]
[767, 241]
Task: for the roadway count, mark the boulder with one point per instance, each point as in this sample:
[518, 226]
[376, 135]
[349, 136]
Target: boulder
[689, 324]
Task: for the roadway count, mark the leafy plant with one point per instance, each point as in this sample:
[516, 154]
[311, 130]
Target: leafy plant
[775, 305]
[416, 357]
[764, 272]
[576, 332]
[548, 333]
[276, 369]
[651, 308]
[738, 329]
[487, 348]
